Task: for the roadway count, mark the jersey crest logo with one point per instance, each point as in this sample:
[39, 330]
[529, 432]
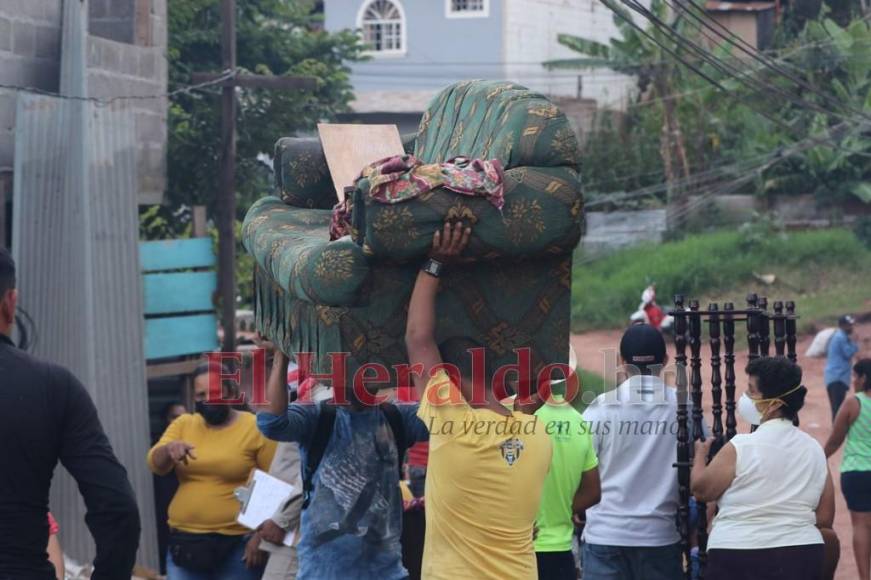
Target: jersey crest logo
[511, 449]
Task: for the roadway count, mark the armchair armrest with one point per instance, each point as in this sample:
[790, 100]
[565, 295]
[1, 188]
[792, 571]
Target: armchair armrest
[302, 177]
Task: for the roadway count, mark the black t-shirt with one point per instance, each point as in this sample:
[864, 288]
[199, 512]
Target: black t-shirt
[46, 416]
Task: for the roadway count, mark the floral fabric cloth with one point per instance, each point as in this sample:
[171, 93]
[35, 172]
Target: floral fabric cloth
[403, 177]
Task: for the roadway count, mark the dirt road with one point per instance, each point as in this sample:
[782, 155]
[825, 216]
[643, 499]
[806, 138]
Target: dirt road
[597, 352]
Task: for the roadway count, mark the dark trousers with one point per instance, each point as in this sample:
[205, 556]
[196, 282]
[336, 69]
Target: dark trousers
[556, 565]
[790, 563]
[837, 393]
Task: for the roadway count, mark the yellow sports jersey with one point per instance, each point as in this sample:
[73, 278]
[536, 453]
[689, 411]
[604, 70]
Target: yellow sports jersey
[205, 500]
[483, 486]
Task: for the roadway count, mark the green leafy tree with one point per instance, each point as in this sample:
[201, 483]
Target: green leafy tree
[274, 37]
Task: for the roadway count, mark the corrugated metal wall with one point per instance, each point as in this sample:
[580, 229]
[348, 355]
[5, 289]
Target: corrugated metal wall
[75, 236]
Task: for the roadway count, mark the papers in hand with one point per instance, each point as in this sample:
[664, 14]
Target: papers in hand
[266, 495]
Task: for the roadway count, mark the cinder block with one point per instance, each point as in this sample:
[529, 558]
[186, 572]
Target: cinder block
[117, 30]
[48, 42]
[150, 128]
[147, 64]
[5, 34]
[52, 11]
[98, 9]
[33, 9]
[121, 9]
[23, 38]
[110, 56]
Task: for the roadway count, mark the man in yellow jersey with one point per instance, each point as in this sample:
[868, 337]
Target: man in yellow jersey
[487, 464]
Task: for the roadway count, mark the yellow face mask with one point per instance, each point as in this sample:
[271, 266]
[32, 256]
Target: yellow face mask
[772, 400]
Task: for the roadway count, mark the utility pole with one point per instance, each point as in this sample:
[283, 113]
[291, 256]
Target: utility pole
[227, 192]
[226, 207]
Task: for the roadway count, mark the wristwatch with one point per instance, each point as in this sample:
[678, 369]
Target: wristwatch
[433, 267]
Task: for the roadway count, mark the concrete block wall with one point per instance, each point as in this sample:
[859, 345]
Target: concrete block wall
[30, 33]
[126, 55]
[120, 69]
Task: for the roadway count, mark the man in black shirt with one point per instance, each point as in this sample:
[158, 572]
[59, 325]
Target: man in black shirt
[46, 415]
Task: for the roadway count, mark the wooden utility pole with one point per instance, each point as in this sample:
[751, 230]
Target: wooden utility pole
[227, 191]
[226, 209]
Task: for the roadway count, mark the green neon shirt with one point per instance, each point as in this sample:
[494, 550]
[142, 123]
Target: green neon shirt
[573, 454]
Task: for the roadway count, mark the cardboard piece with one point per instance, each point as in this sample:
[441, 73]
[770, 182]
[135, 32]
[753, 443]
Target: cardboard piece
[350, 148]
[265, 494]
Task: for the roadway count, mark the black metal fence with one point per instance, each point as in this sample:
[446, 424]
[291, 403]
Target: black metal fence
[688, 323]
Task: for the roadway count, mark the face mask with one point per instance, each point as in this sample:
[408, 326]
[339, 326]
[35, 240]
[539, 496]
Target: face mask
[754, 416]
[213, 414]
[748, 411]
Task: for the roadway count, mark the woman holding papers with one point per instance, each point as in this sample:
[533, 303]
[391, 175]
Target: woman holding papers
[212, 451]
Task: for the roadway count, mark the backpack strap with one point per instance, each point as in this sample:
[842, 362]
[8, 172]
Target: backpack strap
[320, 439]
[394, 419]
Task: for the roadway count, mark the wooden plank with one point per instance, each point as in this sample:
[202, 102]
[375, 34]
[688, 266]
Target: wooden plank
[350, 148]
[173, 369]
[179, 292]
[180, 335]
[176, 254]
[284, 83]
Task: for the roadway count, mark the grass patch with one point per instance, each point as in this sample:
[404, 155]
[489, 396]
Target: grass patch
[827, 272]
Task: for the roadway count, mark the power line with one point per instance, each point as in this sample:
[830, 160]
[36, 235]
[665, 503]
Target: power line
[102, 101]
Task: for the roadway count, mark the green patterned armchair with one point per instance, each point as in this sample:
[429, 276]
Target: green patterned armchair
[351, 295]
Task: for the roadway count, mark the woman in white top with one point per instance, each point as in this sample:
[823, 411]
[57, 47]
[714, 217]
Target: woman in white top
[772, 487]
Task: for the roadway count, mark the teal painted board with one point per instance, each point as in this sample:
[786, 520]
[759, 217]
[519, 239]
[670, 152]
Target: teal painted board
[180, 335]
[176, 254]
[179, 292]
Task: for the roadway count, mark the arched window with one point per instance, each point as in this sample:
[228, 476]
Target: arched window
[383, 26]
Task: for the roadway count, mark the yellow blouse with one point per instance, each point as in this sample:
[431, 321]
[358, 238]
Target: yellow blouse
[225, 457]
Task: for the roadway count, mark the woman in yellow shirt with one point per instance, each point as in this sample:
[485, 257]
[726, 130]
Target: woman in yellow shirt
[212, 451]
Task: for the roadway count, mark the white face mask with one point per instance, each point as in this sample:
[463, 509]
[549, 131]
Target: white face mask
[748, 411]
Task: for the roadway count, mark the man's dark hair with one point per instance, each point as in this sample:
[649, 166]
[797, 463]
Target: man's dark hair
[778, 375]
[863, 369]
[456, 351]
[7, 271]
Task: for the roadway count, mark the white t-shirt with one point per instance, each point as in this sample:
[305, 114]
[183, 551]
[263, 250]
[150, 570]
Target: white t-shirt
[634, 431]
[780, 474]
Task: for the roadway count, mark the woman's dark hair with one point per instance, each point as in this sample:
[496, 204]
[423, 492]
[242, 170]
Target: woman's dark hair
[229, 386]
[778, 375]
[863, 369]
[164, 413]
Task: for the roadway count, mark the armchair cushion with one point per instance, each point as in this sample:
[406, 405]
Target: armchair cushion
[292, 245]
[542, 215]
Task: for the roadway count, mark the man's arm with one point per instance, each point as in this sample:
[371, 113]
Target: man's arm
[420, 329]
[296, 423]
[589, 492]
[276, 385]
[112, 514]
[848, 348]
